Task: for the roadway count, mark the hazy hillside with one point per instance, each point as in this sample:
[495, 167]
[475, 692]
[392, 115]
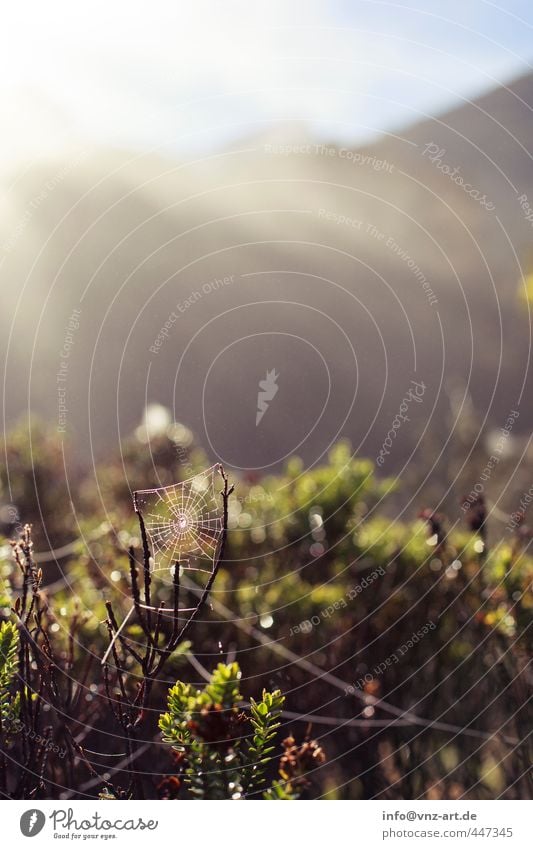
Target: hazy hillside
[420, 285]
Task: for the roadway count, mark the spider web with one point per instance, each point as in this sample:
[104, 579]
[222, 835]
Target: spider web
[183, 522]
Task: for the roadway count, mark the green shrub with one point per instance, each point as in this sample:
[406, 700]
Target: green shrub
[224, 750]
[9, 644]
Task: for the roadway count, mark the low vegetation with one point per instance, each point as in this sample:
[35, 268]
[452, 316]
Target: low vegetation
[392, 658]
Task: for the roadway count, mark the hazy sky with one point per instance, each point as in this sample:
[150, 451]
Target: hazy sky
[182, 76]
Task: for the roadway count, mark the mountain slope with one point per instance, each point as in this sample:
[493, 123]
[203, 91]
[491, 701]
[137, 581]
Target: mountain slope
[351, 273]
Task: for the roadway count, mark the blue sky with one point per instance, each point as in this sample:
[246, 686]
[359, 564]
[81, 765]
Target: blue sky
[187, 76]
